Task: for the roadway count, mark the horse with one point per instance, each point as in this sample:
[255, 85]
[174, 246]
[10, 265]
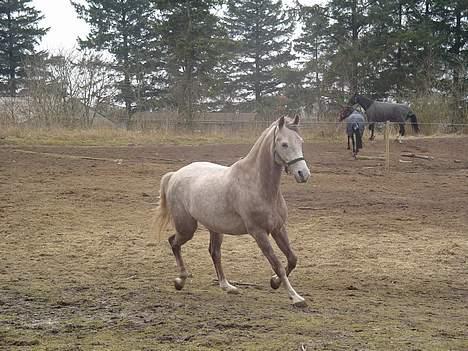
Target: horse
[244, 198]
[355, 125]
[377, 111]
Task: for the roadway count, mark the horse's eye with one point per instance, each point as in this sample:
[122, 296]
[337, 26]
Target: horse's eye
[285, 145]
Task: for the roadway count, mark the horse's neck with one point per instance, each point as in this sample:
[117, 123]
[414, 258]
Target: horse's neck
[364, 102]
[260, 161]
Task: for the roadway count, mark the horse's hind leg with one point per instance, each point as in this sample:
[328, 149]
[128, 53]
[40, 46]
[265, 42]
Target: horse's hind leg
[184, 233]
[216, 240]
[371, 128]
[353, 137]
[282, 240]
[401, 132]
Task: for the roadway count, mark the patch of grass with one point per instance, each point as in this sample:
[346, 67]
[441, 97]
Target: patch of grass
[122, 137]
[112, 137]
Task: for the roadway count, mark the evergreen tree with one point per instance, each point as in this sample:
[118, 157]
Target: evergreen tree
[20, 32]
[333, 40]
[450, 20]
[313, 45]
[126, 30]
[194, 43]
[387, 48]
[262, 32]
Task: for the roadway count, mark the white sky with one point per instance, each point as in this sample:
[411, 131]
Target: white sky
[65, 27]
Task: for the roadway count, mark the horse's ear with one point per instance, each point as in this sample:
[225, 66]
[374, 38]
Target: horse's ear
[296, 120]
[281, 122]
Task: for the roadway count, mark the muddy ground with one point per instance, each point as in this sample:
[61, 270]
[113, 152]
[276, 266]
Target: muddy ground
[382, 258]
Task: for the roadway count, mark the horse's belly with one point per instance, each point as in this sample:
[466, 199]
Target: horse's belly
[225, 223]
[214, 210]
[207, 197]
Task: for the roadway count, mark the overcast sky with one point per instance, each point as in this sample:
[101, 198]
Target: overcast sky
[65, 26]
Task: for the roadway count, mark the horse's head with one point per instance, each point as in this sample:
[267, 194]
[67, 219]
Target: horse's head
[288, 148]
[345, 112]
[353, 99]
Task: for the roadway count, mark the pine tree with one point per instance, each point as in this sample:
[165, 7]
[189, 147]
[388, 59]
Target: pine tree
[193, 42]
[313, 45]
[451, 25]
[126, 30]
[20, 32]
[333, 40]
[262, 30]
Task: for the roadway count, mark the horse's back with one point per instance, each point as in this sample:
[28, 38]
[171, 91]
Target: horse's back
[198, 175]
[386, 111]
[355, 118]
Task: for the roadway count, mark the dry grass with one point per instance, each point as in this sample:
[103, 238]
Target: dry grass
[122, 137]
[382, 259]
[108, 136]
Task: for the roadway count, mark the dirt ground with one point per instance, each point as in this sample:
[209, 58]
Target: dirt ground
[382, 257]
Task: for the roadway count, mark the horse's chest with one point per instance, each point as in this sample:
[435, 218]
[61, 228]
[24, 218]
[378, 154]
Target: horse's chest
[268, 218]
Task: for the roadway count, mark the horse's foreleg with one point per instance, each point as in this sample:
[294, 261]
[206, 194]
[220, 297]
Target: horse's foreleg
[216, 240]
[371, 128]
[262, 240]
[282, 240]
[349, 145]
[353, 137]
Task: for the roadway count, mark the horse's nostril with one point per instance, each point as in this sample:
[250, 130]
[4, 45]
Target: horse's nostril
[300, 174]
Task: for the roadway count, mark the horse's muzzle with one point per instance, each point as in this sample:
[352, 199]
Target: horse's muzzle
[301, 174]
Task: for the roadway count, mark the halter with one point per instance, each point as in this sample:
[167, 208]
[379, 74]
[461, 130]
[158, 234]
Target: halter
[286, 164]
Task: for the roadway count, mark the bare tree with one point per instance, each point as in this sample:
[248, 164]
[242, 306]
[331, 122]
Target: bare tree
[69, 88]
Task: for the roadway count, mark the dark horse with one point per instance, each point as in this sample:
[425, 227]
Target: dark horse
[355, 124]
[377, 111]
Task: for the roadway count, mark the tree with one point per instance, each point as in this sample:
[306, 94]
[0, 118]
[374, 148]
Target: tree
[19, 34]
[451, 24]
[68, 88]
[313, 46]
[193, 42]
[262, 32]
[126, 30]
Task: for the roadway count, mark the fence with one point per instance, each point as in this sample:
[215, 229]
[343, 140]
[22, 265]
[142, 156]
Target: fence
[320, 128]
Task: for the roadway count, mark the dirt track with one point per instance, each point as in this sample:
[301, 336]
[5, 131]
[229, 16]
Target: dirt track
[382, 258]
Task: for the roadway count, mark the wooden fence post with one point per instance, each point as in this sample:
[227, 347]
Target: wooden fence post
[387, 146]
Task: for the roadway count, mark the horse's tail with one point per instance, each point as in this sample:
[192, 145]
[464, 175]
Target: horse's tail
[414, 122]
[163, 215]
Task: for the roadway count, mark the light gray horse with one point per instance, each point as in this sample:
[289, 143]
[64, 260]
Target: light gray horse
[244, 198]
[377, 111]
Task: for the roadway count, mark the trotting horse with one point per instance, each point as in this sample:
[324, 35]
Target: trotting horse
[355, 125]
[377, 111]
[244, 198]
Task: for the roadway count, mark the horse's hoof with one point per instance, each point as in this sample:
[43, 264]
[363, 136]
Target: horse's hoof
[179, 283]
[300, 304]
[233, 291]
[275, 282]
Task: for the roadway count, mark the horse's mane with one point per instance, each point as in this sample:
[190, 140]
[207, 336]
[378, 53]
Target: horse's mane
[288, 123]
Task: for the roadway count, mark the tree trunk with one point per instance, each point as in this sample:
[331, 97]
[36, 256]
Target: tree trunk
[354, 44]
[457, 63]
[11, 63]
[189, 71]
